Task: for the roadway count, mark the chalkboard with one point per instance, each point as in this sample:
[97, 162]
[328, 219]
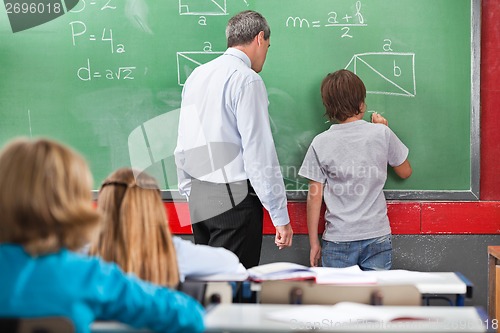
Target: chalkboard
[106, 76]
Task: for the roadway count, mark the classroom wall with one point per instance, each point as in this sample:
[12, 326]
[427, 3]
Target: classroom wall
[430, 236]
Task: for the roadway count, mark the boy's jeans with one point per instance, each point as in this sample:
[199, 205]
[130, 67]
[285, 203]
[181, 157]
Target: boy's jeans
[369, 254]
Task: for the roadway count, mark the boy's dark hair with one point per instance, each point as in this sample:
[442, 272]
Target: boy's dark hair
[342, 93]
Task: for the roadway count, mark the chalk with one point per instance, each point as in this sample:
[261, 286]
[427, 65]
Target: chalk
[29, 120]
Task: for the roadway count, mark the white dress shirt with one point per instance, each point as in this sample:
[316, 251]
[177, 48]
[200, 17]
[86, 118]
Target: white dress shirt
[196, 259]
[224, 132]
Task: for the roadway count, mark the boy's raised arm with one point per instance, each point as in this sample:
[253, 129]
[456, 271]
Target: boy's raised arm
[403, 170]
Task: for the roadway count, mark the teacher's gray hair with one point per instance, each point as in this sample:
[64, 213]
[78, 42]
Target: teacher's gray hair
[243, 27]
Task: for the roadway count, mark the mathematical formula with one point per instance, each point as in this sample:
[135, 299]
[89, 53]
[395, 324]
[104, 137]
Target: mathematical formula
[79, 29]
[85, 73]
[99, 4]
[333, 19]
[80, 33]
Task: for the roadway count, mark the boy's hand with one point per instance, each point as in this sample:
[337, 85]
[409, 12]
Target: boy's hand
[315, 255]
[378, 119]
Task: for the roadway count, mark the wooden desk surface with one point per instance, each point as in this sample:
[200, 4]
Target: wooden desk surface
[493, 281]
[494, 251]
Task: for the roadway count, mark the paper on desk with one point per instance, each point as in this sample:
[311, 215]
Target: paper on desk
[427, 283]
[281, 271]
[240, 274]
[347, 275]
[402, 276]
[345, 312]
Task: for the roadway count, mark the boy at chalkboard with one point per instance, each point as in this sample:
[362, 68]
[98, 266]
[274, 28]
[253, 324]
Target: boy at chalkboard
[347, 165]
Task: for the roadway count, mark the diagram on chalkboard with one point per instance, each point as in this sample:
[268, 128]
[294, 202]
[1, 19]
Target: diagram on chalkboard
[188, 61]
[386, 73]
[202, 7]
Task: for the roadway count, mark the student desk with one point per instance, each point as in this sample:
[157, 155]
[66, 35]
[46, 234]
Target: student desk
[494, 281]
[436, 285]
[240, 318]
[446, 283]
[225, 318]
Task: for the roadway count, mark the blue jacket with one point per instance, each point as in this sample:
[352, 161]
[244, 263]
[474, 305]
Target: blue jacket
[85, 289]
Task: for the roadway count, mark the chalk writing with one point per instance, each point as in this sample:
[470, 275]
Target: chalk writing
[333, 19]
[386, 73]
[78, 29]
[85, 73]
[101, 5]
[188, 61]
[203, 7]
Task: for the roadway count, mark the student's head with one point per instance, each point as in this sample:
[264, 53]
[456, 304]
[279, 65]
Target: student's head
[343, 95]
[45, 197]
[250, 28]
[135, 233]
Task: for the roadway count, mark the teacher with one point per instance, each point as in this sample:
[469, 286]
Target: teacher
[226, 160]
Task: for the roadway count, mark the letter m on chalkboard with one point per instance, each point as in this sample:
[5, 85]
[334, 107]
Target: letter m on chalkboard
[26, 14]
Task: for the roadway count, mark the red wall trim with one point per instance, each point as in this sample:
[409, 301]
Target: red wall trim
[461, 218]
[404, 217]
[407, 218]
[178, 217]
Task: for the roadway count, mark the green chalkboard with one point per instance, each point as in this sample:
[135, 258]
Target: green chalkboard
[106, 77]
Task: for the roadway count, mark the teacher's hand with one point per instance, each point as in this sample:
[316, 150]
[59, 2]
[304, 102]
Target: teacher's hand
[284, 235]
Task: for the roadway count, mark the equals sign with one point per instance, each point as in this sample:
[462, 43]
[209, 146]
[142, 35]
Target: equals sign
[97, 74]
[92, 37]
[316, 24]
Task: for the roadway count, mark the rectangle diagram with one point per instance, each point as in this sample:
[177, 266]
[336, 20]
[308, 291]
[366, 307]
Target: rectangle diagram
[188, 61]
[202, 7]
[386, 73]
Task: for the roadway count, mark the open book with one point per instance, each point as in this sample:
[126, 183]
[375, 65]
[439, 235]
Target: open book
[322, 275]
